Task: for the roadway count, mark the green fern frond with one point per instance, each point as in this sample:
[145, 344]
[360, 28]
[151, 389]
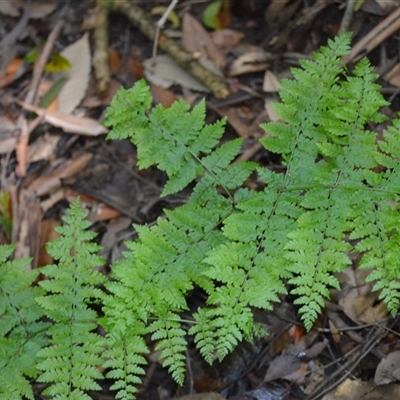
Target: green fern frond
[125, 347]
[70, 363]
[22, 332]
[167, 331]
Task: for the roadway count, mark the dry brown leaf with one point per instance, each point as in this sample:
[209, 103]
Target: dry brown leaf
[26, 231]
[50, 183]
[269, 108]
[196, 40]
[271, 83]
[41, 9]
[166, 72]
[393, 76]
[12, 72]
[162, 96]
[73, 91]
[251, 61]
[357, 390]
[68, 123]
[388, 369]
[226, 38]
[43, 148]
[47, 233]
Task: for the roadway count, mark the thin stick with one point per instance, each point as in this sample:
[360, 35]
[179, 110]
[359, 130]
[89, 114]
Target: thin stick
[347, 16]
[159, 25]
[41, 62]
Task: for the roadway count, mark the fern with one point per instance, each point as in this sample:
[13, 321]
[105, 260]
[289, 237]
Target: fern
[245, 249]
[167, 260]
[70, 362]
[22, 332]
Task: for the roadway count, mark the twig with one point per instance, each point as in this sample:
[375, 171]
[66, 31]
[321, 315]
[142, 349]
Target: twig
[41, 62]
[363, 350]
[347, 16]
[13, 35]
[159, 25]
[100, 54]
[376, 36]
[9, 40]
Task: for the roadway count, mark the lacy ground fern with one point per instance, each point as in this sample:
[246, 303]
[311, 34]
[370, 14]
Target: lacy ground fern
[339, 194]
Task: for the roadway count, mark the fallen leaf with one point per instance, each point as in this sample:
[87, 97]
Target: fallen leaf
[162, 96]
[68, 123]
[226, 38]
[196, 40]
[50, 183]
[357, 390]
[271, 83]
[166, 72]
[12, 72]
[269, 108]
[9, 8]
[43, 148]
[75, 88]
[388, 369]
[251, 61]
[41, 9]
[393, 75]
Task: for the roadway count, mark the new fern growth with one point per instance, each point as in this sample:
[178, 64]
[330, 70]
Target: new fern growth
[339, 194]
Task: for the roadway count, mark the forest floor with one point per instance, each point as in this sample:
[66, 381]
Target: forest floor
[49, 160]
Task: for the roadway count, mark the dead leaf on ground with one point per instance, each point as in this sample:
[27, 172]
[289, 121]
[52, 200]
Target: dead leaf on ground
[13, 71]
[244, 127]
[226, 38]
[26, 230]
[39, 9]
[166, 72]
[68, 123]
[9, 8]
[269, 108]
[357, 390]
[393, 76]
[388, 370]
[51, 182]
[73, 91]
[47, 233]
[162, 96]
[43, 148]
[196, 40]
[251, 61]
[271, 83]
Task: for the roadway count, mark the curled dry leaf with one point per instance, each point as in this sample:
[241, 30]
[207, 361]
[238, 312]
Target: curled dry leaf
[251, 61]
